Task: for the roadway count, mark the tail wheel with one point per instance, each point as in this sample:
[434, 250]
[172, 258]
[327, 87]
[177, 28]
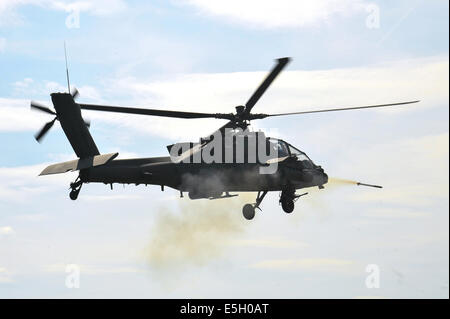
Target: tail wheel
[248, 211]
[76, 187]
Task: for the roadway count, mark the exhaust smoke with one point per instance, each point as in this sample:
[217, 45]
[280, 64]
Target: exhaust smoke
[195, 232]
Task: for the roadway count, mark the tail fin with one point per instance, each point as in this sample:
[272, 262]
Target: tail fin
[69, 115]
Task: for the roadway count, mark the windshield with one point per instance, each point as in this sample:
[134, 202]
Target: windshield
[284, 149]
[305, 160]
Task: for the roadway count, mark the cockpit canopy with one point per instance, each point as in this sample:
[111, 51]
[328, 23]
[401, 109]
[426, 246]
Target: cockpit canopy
[244, 153]
[285, 149]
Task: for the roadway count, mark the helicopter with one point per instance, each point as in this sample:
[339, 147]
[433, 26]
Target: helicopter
[208, 169]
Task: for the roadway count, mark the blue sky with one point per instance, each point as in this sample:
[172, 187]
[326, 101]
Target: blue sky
[210, 56]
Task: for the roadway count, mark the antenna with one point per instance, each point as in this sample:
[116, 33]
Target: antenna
[67, 69]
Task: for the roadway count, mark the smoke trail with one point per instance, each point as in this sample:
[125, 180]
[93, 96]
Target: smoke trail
[196, 232]
[333, 181]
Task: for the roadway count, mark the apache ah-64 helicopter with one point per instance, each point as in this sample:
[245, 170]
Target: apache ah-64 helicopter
[200, 179]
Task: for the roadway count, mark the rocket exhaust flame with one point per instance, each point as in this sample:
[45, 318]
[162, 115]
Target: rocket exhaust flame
[340, 181]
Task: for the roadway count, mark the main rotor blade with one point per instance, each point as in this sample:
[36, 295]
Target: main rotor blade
[44, 130]
[265, 84]
[337, 109]
[165, 113]
[41, 107]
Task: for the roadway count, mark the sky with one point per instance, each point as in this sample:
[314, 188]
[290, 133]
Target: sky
[209, 56]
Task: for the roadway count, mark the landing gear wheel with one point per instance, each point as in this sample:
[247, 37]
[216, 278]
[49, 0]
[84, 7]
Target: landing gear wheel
[248, 211]
[74, 194]
[287, 205]
[76, 187]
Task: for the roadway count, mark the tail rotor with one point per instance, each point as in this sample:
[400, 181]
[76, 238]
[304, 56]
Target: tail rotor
[74, 93]
[40, 107]
[44, 130]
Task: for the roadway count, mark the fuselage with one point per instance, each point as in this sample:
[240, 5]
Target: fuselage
[207, 180]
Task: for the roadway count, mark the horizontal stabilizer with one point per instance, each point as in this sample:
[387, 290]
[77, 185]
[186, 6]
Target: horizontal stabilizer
[78, 164]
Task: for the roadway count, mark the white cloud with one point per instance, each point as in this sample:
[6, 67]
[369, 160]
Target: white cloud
[23, 182]
[281, 13]
[6, 230]
[24, 84]
[315, 264]
[93, 269]
[51, 86]
[16, 113]
[269, 243]
[120, 197]
[424, 79]
[396, 213]
[96, 7]
[16, 116]
[9, 8]
[5, 275]
[409, 182]
[28, 87]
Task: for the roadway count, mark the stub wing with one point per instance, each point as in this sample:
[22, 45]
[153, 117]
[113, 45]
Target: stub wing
[78, 164]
